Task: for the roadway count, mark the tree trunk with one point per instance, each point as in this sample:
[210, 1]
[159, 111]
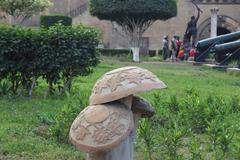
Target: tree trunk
[32, 87]
[49, 90]
[135, 51]
[67, 84]
[14, 21]
[136, 43]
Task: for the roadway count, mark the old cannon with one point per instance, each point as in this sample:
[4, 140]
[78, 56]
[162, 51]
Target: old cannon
[206, 46]
[224, 53]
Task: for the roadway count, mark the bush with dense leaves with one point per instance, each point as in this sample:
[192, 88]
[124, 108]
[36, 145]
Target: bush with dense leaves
[51, 20]
[137, 9]
[191, 128]
[182, 128]
[113, 52]
[18, 48]
[57, 54]
[67, 52]
[153, 53]
[124, 52]
[66, 115]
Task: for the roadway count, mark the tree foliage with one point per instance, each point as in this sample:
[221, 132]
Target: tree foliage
[115, 10]
[24, 9]
[51, 20]
[133, 16]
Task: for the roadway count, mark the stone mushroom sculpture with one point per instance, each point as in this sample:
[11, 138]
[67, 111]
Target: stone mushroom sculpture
[105, 130]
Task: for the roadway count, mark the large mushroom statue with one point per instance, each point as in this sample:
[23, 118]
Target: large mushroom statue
[105, 130]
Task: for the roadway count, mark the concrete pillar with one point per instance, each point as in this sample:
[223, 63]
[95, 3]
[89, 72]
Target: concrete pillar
[214, 21]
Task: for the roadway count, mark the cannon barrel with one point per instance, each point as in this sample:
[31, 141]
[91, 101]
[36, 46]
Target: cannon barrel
[227, 47]
[206, 43]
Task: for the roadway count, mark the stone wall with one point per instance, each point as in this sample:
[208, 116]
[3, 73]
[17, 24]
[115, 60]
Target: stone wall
[228, 12]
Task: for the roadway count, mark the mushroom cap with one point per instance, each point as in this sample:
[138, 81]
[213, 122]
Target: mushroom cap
[123, 82]
[101, 127]
[140, 105]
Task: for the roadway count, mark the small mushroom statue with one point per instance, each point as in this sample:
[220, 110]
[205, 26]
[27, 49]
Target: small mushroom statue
[105, 130]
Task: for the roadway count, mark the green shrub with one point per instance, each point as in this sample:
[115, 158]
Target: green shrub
[18, 55]
[51, 20]
[173, 105]
[66, 115]
[194, 114]
[67, 52]
[114, 52]
[171, 140]
[160, 52]
[195, 149]
[146, 132]
[235, 104]
[193, 127]
[174, 132]
[4, 87]
[221, 136]
[152, 53]
[123, 52]
[57, 54]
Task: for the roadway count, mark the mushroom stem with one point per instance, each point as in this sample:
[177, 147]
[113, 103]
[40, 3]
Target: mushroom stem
[127, 101]
[97, 156]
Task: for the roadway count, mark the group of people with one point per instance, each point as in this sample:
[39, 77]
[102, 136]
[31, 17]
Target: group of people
[176, 50]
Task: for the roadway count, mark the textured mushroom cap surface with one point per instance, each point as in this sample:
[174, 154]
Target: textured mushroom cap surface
[140, 105]
[101, 127]
[123, 82]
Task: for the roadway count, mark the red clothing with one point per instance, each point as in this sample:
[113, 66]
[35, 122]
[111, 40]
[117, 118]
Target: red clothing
[178, 43]
[181, 54]
[192, 52]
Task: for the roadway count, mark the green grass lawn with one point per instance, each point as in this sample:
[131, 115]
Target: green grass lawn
[20, 117]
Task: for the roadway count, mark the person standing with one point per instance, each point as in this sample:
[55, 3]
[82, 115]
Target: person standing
[174, 48]
[179, 44]
[165, 47]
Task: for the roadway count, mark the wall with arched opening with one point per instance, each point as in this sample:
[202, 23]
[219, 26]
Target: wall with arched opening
[226, 25]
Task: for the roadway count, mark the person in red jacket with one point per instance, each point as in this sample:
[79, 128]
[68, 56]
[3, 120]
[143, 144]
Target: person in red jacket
[181, 54]
[192, 54]
[178, 44]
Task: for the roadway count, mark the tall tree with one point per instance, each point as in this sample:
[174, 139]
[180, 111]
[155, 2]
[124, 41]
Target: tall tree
[23, 9]
[133, 16]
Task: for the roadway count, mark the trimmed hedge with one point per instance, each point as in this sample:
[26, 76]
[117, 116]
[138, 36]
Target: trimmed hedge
[123, 52]
[115, 10]
[51, 20]
[57, 54]
[113, 52]
[152, 53]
